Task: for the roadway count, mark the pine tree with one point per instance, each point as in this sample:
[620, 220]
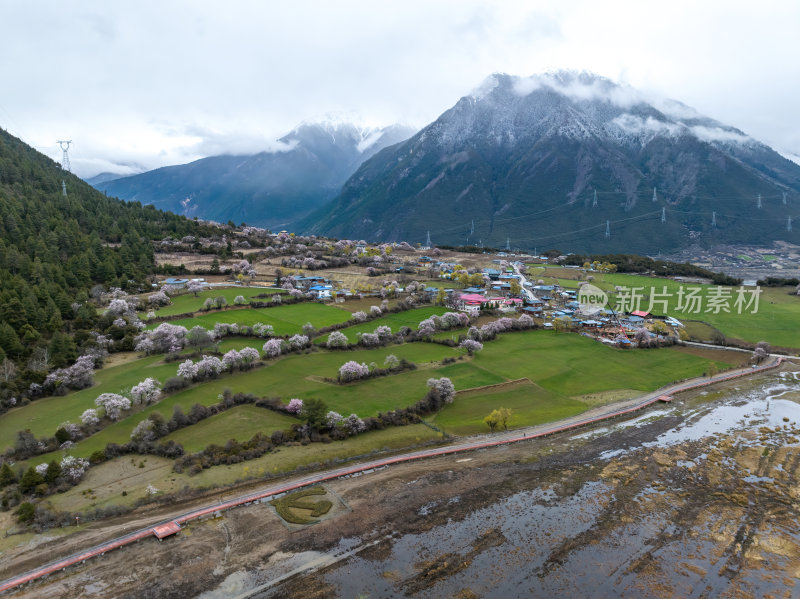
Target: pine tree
[7, 476]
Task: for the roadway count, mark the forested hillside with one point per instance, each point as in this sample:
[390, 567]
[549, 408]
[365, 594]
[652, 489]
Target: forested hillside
[53, 249]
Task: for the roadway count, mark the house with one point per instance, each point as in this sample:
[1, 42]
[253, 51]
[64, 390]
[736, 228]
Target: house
[308, 282]
[320, 291]
[472, 299]
[492, 273]
[176, 283]
[533, 311]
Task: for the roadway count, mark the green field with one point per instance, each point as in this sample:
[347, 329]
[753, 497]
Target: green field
[240, 423]
[187, 302]
[296, 375]
[43, 416]
[530, 405]
[286, 320]
[564, 365]
[409, 318]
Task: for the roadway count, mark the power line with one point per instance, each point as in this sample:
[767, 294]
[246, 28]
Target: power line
[64, 145]
[759, 202]
[663, 215]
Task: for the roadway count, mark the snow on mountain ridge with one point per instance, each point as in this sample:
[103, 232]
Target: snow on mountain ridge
[506, 109]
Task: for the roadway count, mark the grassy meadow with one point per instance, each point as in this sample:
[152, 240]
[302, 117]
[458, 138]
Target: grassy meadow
[187, 302]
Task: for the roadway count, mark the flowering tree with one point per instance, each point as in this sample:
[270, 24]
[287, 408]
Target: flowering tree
[239, 300]
[263, 330]
[195, 287]
[273, 348]
[146, 392]
[295, 406]
[73, 468]
[308, 329]
[525, 321]
[158, 299]
[391, 361]
[354, 425]
[359, 316]
[165, 337]
[444, 387]
[223, 329]
[89, 417]
[369, 340]
[471, 346]
[231, 359]
[375, 311]
[119, 307]
[209, 367]
[78, 376]
[187, 370]
[426, 328]
[337, 340]
[332, 419]
[248, 357]
[352, 371]
[298, 342]
[114, 404]
[384, 333]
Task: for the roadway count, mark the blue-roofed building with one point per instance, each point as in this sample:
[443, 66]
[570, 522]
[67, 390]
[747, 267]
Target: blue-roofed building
[175, 282]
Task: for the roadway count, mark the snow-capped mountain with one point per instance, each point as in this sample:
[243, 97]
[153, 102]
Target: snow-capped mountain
[271, 189]
[545, 161]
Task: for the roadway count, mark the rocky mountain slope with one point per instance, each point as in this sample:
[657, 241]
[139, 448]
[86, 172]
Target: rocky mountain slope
[270, 188]
[569, 160]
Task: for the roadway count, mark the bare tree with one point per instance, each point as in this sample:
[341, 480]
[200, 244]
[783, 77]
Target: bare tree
[7, 369]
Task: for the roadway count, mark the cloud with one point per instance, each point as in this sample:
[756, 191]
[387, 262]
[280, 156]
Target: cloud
[709, 134]
[580, 86]
[639, 126]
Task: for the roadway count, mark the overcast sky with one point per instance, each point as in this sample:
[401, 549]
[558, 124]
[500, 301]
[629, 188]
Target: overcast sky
[151, 83]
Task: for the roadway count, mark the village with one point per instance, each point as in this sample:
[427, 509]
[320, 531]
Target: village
[501, 289]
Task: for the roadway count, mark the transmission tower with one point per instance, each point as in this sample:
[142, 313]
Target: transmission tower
[594, 203]
[472, 228]
[759, 201]
[64, 145]
[655, 197]
[508, 244]
[784, 198]
[608, 229]
[713, 219]
[663, 215]
[63, 188]
[789, 224]
[428, 240]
